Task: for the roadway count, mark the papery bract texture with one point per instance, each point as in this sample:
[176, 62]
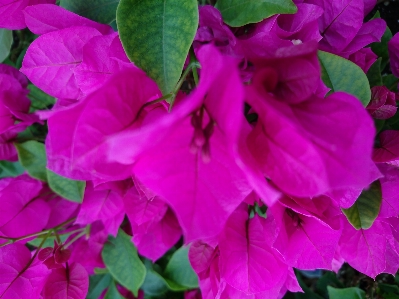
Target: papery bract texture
[382, 104]
[71, 283]
[22, 212]
[388, 150]
[18, 278]
[390, 190]
[51, 68]
[45, 18]
[11, 12]
[364, 58]
[76, 134]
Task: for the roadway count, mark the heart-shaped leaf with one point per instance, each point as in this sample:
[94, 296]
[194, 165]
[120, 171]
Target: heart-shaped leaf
[32, 156]
[66, 188]
[157, 35]
[366, 208]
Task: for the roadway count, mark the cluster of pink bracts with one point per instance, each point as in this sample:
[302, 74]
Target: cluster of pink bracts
[196, 170]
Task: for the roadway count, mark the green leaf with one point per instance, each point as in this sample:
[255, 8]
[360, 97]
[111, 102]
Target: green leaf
[374, 73]
[347, 293]
[112, 292]
[120, 256]
[381, 48]
[340, 74]
[237, 13]
[66, 188]
[10, 169]
[5, 43]
[39, 99]
[49, 241]
[366, 208]
[179, 272]
[102, 11]
[154, 284]
[156, 35]
[391, 82]
[32, 156]
[328, 278]
[98, 283]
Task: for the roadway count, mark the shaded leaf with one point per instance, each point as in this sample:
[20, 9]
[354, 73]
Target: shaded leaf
[32, 156]
[97, 284]
[40, 100]
[366, 208]
[347, 293]
[237, 13]
[112, 292]
[340, 74]
[5, 43]
[391, 82]
[374, 73]
[102, 11]
[120, 257]
[66, 188]
[10, 169]
[179, 270]
[381, 48]
[157, 35]
[154, 284]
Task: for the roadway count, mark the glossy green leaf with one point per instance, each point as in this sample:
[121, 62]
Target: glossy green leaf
[97, 284]
[102, 11]
[32, 156]
[156, 35]
[66, 188]
[179, 272]
[154, 284]
[5, 43]
[39, 99]
[237, 13]
[10, 169]
[366, 208]
[340, 74]
[374, 73]
[112, 292]
[347, 293]
[120, 256]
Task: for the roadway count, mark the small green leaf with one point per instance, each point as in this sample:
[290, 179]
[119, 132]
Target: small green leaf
[156, 35]
[154, 284]
[39, 99]
[366, 208]
[120, 256]
[66, 188]
[179, 272]
[347, 293]
[374, 73]
[328, 278]
[98, 283]
[391, 82]
[10, 169]
[49, 241]
[340, 74]
[102, 11]
[5, 43]
[237, 13]
[32, 156]
[112, 292]
[381, 48]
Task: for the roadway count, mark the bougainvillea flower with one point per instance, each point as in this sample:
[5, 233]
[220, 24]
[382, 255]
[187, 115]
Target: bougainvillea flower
[390, 190]
[11, 12]
[307, 148]
[22, 212]
[154, 226]
[364, 58]
[20, 278]
[107, 111]
[98, 65]
[393, 50]
[370, 250]
[45, 18]
[247, 260]
[199, 138]
[54, 257]
[71, 282]
[104, 205]
[51, 59]
[388, 149]
[299, 238]
[61, 209]
[383, 103]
